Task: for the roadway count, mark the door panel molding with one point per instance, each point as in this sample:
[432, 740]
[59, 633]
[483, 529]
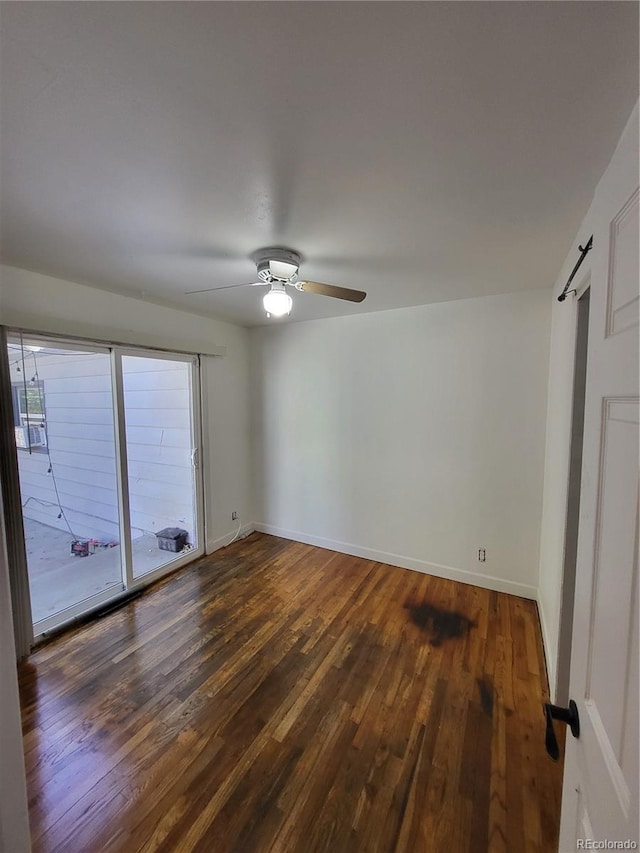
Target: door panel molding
[618, 438]
[622, 301]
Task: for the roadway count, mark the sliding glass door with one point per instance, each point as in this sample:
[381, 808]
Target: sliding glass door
[106, 441]
[160, 459]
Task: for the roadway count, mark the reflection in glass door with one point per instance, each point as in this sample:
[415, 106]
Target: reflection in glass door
[159, 422]
[64, 434]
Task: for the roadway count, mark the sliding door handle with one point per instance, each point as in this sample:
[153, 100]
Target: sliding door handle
[195, 457]
[565, 715]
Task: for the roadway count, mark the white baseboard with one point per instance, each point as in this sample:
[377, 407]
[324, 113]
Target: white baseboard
[222, 541]
[448, 572]
[549, 651]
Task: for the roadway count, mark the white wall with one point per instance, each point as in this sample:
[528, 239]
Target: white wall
[41, 303]
[32, 301]
[226, 420]
[558, 428]
[414, 436]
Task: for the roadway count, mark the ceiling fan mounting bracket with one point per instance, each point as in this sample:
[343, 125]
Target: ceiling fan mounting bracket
[277, 264]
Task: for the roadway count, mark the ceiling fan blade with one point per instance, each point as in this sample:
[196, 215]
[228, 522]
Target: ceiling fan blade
[224, 287]
[331, 290]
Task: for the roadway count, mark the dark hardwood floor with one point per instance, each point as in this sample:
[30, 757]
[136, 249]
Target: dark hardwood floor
[276, 696]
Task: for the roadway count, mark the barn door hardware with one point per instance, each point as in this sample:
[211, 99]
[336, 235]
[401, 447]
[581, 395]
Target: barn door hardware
[584, 251]
[565, 715]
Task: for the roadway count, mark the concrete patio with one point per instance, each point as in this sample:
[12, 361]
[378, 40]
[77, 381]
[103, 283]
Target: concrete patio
[57, 579]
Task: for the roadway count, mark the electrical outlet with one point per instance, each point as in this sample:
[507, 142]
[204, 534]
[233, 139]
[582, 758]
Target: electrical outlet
[234, 516]
[482, 555]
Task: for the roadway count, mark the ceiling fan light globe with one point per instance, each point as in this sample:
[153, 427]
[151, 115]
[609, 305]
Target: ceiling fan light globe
[277, 303]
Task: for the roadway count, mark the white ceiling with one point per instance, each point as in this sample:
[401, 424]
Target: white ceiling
[419, 151]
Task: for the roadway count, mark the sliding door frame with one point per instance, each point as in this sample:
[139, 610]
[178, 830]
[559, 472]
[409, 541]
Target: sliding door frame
[122, 469]
[130, 584]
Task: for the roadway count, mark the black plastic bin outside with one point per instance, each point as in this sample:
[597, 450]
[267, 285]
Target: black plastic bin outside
[172, 539]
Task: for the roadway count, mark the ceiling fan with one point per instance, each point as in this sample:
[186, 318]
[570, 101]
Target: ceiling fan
[278, 268]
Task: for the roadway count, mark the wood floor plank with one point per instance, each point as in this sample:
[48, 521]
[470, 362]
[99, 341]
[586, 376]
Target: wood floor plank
[280, 697]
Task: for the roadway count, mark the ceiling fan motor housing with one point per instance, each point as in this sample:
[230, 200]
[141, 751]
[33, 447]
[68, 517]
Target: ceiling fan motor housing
[277, 264]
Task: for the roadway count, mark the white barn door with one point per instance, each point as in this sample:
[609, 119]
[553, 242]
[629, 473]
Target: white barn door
[600, 796]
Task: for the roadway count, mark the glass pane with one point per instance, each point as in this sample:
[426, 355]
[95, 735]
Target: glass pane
[31, 400]
[158, 418]
[64, 432]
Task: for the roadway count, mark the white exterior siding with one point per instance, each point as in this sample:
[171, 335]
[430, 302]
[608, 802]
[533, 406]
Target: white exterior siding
[80, 437]
[157, 400]
[81, 446]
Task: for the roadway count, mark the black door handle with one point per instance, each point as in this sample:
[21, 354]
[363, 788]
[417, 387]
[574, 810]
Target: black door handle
[565, 715]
